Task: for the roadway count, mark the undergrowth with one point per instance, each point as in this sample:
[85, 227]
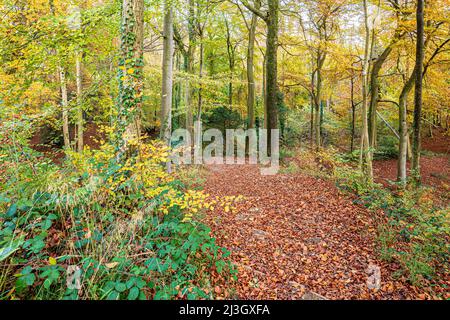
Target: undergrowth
[413, 231]
[93, 228]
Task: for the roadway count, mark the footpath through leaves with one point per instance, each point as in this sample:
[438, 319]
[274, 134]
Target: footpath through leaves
[297, 237]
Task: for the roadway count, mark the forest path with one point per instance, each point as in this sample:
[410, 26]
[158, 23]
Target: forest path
[295, 236]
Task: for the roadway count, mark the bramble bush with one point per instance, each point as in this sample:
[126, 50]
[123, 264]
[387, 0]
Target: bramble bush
[130, 227]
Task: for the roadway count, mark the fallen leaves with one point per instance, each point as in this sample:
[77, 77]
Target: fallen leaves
[295, 237]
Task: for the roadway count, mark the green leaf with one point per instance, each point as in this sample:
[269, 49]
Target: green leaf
[4, 199]
[46, 224]
[130, 283]
[109, 286]
[12, 210]
[153, 264]
[29, 279]
[121, 287]
[133, 294]
[114, 295]
[5, 252]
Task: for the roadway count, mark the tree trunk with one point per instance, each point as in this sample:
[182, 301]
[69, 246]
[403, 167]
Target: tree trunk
[403, 144]
[250, 69]
[352, 93]
[366, 153]
[231, 57]
[311, 120]
[80, 130]
[321, 56]
[65, 106]
[167, 76]
[264, 89]
[272, 69]
[374, 94]
[403, 130]
[200, 89]
[418, 92]
[76, 24]
[64, 97]
[374, 84]
[189, 68]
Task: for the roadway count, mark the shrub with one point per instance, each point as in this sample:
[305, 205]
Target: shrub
[131, 228]
[413, 231]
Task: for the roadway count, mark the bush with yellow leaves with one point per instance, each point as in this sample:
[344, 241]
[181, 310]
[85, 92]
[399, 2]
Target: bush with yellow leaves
[129, 227]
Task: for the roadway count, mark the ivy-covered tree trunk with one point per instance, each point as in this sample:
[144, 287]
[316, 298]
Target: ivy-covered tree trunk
[130, 72]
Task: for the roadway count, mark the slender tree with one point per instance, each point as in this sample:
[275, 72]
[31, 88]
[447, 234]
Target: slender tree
[64, 94]
[366, 153]
[418, 91]
[167, 74]
[79, 80]
[80, 129]
[251, 93]
[65, 107]
[188, 53]
[189, 66]
[231, 52]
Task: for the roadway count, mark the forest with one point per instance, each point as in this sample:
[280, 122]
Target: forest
[224, 149]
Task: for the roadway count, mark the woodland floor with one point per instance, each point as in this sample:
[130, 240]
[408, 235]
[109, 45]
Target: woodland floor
[292, 235]
[435, 172]
[435, 168]
[297, 237]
